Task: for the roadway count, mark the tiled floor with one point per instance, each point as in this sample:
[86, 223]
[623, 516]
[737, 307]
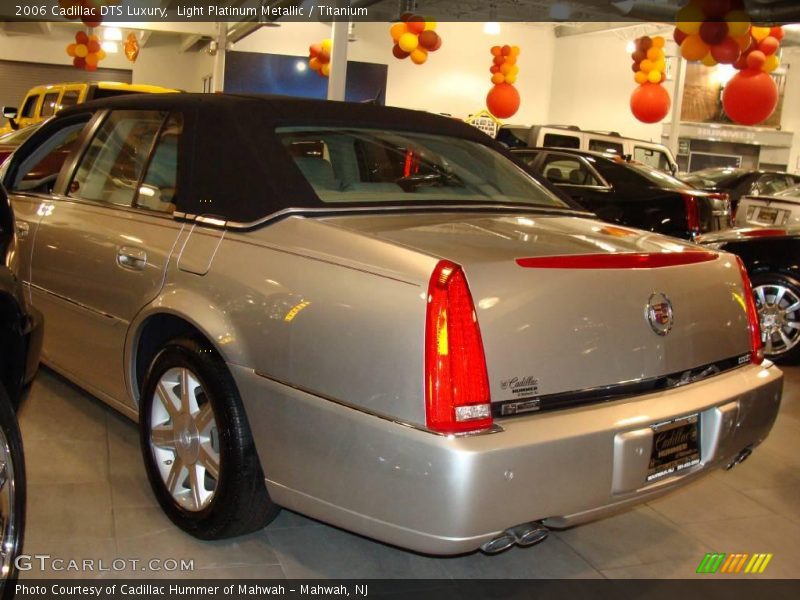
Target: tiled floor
[89, 499]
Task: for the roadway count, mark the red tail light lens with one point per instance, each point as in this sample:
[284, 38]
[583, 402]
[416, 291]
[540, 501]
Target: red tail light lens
[756, 351]
[456, 383]
[692, 214]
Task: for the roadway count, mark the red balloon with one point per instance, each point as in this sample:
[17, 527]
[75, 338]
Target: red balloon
[777, 32]
[769, 45]
[726, 52]
[636, 66]
[428, 39]
[679, 36]
[716, 9]
[755, 60]
[494, 69]
[503, 100]
[650, 102]
[644, 43]
[713, 32]
[79, 62]
[741, 64]
[94, 47]
[750, 97]
[639, 56]
[399, 52]
[416, 24]
[437, 45]
[81, 38]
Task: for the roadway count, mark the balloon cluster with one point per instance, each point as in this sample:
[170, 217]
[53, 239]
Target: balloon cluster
[319, 57]
[86, 51]
[414, 37]
[650, 102]
[649, 63]
[720, 32]
[503, 99]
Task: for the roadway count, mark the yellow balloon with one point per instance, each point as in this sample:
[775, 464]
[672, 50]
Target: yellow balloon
[738, 23]
[514, 70]
[646, 65]
[658, 42]
[689, 19]
[420, 55]
[640, 77]
[325, 69]
[514, 51]
[771, 63]
[430, 24]
[654, 76]
[326, 45]
[511, 79]
[408, 42]
[314, 64]
[101, 54]
[759, 33]
[660, 65]
[81, 50]
[708, 60]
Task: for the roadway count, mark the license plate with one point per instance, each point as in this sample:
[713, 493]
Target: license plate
[768, 216]
[676, 446]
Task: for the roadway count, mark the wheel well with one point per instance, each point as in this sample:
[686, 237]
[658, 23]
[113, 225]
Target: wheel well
[12, 361]
[156, 331]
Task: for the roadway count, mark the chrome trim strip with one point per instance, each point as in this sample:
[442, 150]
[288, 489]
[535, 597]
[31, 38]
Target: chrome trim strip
[494, 429]
[74, 303]
[333, 211]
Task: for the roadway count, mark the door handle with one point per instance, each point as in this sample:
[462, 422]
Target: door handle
[22, 229]
[131, 258]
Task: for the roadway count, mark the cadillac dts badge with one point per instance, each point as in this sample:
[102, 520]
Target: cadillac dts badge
[658, 313]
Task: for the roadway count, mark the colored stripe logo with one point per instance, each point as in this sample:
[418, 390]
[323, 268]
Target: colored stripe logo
[731, 564]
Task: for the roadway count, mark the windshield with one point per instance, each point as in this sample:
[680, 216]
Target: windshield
[713, 177]
[377, 166]
[656, 177]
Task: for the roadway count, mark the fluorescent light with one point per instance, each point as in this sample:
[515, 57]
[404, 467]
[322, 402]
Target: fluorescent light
[110, 47]
[491, 28]
[630, 47]
[113, 34]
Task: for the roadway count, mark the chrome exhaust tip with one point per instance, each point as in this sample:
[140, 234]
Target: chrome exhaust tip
[529, 534]
[502, 542]
[743, 455]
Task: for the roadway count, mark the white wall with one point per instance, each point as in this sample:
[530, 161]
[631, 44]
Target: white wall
[161, 63]
[790, 118]
[50, 49]
[454, 80]
[592, 86]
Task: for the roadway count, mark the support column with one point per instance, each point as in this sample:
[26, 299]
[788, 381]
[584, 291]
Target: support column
[679, 79]
[337, 80]
[219, 57]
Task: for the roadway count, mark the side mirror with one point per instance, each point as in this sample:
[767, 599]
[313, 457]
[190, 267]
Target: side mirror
[10, 112]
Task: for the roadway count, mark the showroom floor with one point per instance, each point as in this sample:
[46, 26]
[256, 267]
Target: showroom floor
[89, 499]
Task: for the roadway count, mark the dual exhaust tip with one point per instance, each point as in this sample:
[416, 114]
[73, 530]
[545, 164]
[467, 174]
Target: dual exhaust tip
[524, 535]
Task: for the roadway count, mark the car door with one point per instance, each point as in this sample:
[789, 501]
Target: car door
[102, 245]
[573, 175]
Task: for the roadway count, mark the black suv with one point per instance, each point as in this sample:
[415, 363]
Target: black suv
[20, 345]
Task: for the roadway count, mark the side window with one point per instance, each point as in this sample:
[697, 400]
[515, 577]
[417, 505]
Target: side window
[70, 98]
[38, 172]
[771, 184]
[605, 146]
[654, 158]
[113, 164]
[49, 104]
[158, 190]
[29, 108]
[555, 140]
[569, 170]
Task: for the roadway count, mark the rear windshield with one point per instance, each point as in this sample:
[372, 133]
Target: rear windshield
[656, 177]
[713, 177]
[792, 192]
[348, 165]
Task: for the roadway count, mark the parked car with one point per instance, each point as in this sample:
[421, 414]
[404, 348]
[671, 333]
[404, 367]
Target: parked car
[772, 258]
[628, 192]
[653, 154]
[43, 101]
[778, 209]
[738, 183]
[349, 311]
[20, 343]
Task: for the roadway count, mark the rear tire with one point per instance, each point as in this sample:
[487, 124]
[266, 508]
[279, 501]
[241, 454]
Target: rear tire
[778, 303]
[197, 447]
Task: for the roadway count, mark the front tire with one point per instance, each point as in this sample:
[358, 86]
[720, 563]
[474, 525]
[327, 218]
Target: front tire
[197, 447]
[12, 496]
[778, 303]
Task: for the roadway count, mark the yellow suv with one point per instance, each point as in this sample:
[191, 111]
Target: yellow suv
[43, 101]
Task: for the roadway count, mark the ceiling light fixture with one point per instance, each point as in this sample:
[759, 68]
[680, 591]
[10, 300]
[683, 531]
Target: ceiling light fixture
[113, 34]
[110, 47]
[492, 27]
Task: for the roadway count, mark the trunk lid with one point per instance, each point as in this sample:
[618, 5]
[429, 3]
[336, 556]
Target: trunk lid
[564, 330]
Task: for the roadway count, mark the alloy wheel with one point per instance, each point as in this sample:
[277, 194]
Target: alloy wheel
[9, 536]
[779, 313]
[184, 439]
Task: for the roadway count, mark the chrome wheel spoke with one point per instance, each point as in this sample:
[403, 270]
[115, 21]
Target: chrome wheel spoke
[204, 419]
[768, 344]
[209, 458]
[165, 397]
[787, 343]
[163, 436]
[780, 291]
[792, 324]
[760, 295]
[176, 476]
[792, 308]
[196, 486]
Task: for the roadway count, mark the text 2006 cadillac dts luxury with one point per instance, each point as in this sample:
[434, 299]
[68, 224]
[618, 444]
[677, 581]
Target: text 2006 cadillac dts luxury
[377, 318]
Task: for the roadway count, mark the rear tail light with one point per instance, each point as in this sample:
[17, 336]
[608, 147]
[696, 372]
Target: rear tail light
[456, 383]
[765, 232]
[692, 214]
[756, 350]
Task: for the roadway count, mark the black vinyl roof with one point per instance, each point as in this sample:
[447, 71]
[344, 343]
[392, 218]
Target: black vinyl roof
[232, 165]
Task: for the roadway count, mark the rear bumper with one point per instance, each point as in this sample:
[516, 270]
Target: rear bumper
[447, 495]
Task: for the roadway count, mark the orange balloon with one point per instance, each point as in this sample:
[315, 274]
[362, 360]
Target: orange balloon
[419, 56]
[650, 102]
[498, 78]
[397, 30]
[71, 49]
[759, 33]
[416, 24]
[503, 101]
[91, 60]
[640, 77]
[496, 51]
[694, 48]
